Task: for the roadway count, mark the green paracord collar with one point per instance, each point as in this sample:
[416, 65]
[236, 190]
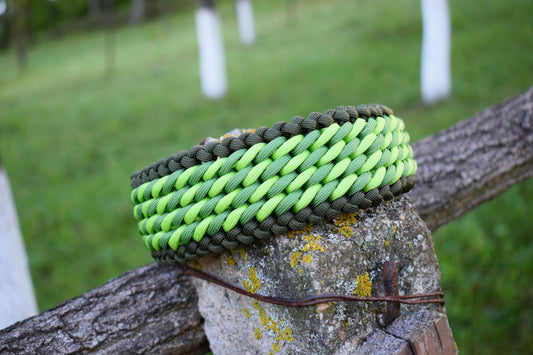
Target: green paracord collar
[222, 195]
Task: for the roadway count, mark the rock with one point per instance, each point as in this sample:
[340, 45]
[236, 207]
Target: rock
[343, 256]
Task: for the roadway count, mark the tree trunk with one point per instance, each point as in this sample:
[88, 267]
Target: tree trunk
[5, 23]
[109, 24]
[94, 11]
[21, 40]
[155, 307]
[137, 12]
[16, 289]
[212, 64]
[245, 20]
[435, 73]
[152, 309]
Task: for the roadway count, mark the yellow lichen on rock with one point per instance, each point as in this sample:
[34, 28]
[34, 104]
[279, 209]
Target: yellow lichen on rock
[242, 253]
[230, 260]
[287, 334]
[364, 286]
[343, 224]
[246, 312]
[272, 326]
[295, 256]
[275, 347]
[312, 243]
[307, 259]
[254, 284]
[307, 229]
[258, 334]
[196, 264]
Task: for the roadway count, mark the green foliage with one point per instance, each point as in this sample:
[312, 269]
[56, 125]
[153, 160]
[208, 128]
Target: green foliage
[70, 135]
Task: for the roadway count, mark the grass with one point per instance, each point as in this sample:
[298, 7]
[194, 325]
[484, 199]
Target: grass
[70, 134]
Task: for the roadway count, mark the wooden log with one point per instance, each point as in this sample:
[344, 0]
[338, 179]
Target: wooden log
[152, 309]
[168, 293]
[473, 161]
[419, 332]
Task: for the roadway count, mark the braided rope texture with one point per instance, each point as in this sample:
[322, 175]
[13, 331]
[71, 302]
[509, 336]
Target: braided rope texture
[225, 194]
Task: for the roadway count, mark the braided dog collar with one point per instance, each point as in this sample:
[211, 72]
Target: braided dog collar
[222, 195]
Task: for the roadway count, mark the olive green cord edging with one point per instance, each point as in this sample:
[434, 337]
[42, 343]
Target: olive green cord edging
[283, 182]
[272, 226]
[298, 125]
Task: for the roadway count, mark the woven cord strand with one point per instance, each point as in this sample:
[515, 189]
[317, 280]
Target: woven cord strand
[298, 125]
[266, 183]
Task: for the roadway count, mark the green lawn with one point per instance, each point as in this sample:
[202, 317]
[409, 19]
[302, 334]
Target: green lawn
[70, 134]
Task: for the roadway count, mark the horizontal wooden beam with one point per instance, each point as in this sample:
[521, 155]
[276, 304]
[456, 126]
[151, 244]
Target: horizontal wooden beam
[155, 308]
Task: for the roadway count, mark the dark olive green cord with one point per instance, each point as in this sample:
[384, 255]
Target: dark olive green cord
[224, 195]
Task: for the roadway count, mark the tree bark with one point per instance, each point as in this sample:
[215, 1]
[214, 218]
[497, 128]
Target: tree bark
[21, 24]
[474, 161]
[152, 309]
[137, 11]
[155, 308]
[109, 24]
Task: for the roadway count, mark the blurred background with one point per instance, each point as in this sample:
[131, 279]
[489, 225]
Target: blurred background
[92, 90]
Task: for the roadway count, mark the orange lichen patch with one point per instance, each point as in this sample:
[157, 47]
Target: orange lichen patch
[230, 260]
[258, 334]
[342, 335]
[295, 256]
[320, 308]
[307, 259]
[254, 284]
[364, 286]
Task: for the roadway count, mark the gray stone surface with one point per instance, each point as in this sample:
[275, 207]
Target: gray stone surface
[342, 256]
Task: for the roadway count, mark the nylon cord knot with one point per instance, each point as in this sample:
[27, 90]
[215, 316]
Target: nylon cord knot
[222, 195]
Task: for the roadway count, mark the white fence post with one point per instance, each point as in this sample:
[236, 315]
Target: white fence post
[245, 20]
[17, 298]
[211, 51]
[435, 75]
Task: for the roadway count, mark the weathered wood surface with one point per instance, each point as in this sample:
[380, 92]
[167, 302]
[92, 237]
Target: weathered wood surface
[473, 161]
[419, 332]
[442, 193]
[152, 309]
